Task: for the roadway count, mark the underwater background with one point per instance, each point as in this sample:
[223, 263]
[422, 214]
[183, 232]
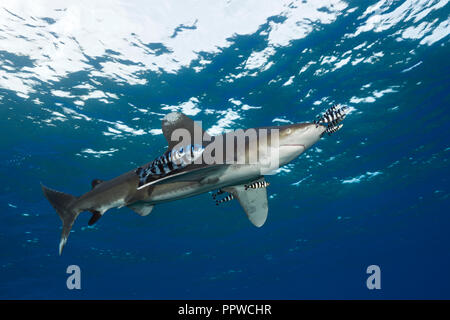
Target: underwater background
[84, 86]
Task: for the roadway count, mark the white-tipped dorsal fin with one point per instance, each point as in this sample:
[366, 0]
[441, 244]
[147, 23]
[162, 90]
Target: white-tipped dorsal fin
[253, 201]
[177, 120]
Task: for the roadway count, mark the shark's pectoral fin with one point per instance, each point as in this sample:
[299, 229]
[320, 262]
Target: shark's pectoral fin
[177, 120]
[141, 208]
[253, 201]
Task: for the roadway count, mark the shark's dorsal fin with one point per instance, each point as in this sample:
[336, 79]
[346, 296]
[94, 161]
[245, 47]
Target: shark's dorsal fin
[177, 120]
[253, 201]
[96, 182]
[141, 209]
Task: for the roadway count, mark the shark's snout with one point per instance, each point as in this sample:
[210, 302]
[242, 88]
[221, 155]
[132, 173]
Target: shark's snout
[296, 138]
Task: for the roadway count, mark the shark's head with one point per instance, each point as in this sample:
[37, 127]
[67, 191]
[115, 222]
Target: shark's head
[296, 138]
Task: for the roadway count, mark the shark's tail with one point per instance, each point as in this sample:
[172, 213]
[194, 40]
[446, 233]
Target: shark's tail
[63, 204]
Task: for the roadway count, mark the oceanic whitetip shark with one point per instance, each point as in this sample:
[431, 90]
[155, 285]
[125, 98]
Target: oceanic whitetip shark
[190, 168]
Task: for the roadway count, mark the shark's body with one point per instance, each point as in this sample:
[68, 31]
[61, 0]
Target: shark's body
[165, 180]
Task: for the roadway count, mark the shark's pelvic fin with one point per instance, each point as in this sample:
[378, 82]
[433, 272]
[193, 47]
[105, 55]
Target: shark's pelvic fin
[141, 209]
[177, 120]
[253, 201]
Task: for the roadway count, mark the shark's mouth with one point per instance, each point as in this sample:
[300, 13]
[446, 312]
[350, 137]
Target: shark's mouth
[293, 145]
[332, 118]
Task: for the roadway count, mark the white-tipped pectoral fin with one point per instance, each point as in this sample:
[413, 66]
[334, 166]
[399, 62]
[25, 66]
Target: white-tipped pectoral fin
[253, 201]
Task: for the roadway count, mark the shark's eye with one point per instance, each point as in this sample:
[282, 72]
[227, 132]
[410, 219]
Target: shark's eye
[288, 131]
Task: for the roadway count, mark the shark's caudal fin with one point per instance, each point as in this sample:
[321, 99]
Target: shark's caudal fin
[62, 204]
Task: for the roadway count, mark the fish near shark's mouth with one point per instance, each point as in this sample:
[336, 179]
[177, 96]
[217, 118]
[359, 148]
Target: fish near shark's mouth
[331, 118]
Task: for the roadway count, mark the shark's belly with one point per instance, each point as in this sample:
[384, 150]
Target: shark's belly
[233, 175]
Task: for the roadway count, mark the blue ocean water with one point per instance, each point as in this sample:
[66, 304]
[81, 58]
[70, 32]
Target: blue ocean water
[84, 86]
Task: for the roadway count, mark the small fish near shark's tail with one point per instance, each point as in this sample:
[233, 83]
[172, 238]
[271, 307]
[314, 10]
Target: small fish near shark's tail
[63, 204]
[332, 118]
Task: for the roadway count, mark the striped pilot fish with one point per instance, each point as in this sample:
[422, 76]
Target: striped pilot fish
[226, 199]
[257, 185]
[169, 162]
[332, 118]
